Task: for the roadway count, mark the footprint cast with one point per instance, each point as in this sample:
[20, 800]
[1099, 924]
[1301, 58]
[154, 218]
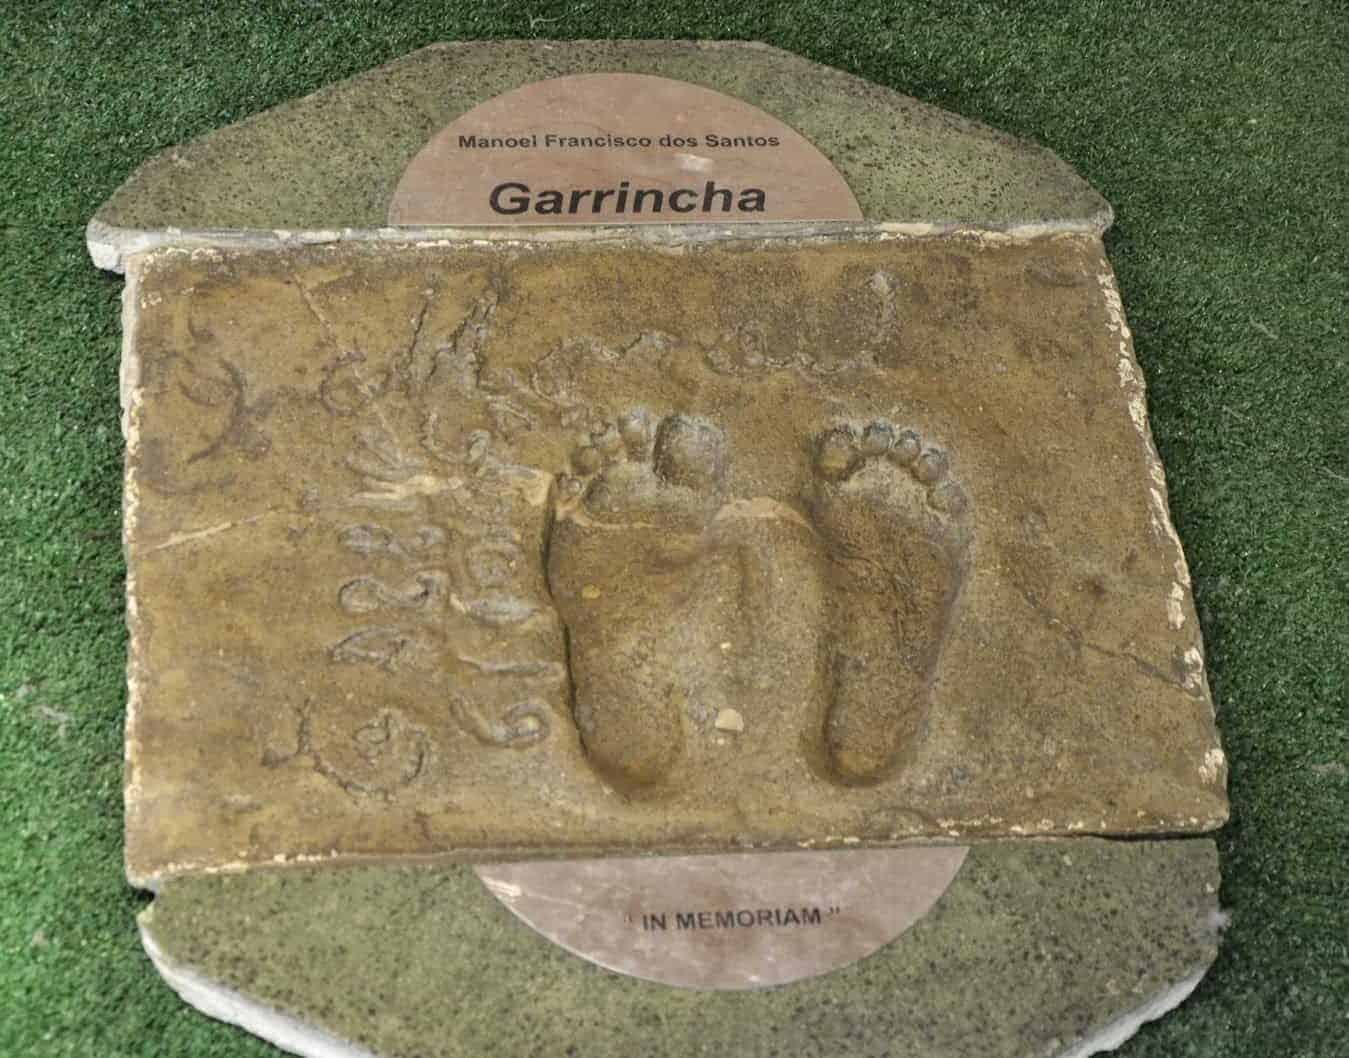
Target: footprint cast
[648, 582]
[893, 528]
[638, 579]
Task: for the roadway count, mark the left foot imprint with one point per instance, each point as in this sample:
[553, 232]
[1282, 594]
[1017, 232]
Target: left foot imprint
[643, 591]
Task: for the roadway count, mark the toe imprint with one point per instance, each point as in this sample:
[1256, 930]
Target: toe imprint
[667, 472]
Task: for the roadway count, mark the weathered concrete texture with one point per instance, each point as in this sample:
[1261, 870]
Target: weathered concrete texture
[513, 551]
[332, 159]
[1051, 948]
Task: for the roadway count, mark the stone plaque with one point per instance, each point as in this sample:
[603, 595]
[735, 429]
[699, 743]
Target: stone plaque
[845, 544]
[618, 148]
[522, 550]
[581, 904]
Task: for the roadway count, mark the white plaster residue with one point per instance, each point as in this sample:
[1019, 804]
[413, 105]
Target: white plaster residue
[129, 382]
[111, 247]
[129, 369]
[225, 1004]
[1138, 413]
[1194, 669]
[1131, 381]
[1212, 766]
[1159, 513]
[1175, 606]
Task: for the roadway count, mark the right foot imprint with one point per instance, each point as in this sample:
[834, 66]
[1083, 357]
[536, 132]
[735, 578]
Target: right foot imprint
[895, 538]
[642, 590]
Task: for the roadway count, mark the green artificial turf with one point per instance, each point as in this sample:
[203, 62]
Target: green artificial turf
[1218, 131]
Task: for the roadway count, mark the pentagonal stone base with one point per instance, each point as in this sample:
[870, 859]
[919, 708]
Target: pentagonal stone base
[332, 159]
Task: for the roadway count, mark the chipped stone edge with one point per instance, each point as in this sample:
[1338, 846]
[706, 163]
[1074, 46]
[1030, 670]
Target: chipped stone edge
[235, 1008]
[129, 370]
[153, 875]
[296, 1037]
[111, 247]
[1213, 767]
[1123, 1028]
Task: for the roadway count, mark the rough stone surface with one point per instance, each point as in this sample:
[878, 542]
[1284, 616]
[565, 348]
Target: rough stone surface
[332, 159]
[461, 551]
[1051, 948]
